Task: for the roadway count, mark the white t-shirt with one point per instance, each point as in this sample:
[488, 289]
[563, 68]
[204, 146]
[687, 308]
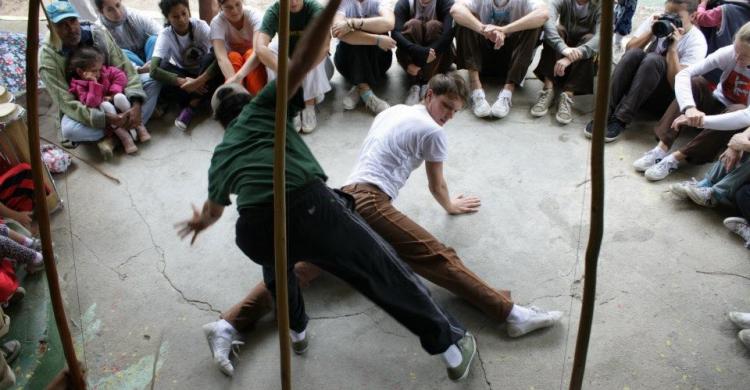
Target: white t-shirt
[236, 40]
[170, 46]
[690, 49]
[399, 139]
[733, 88]
[361, 9]
[501, 12]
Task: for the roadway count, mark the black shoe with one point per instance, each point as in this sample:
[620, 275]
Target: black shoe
[615, 127]
[589, 129]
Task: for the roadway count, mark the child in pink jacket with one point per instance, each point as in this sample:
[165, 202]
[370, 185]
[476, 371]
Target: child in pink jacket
[99, 86]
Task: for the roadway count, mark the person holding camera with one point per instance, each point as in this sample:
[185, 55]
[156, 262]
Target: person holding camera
[661, 46]
[183, 61]
[719, 114]
[497, 38]
[571, 41]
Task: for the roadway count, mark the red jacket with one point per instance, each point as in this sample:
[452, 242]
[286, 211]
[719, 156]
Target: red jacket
[111, 81]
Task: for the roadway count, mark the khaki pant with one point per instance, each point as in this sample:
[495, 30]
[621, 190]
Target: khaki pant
[427, 256]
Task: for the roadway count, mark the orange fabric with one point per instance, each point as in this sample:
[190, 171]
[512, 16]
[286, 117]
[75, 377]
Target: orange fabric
[257, 78]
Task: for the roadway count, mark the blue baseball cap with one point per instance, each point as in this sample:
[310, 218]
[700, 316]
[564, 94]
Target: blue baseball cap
[59, 10]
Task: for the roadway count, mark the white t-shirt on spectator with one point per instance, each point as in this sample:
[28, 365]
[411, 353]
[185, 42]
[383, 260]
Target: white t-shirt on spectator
[236, 40]
[170, 46]
[500, 12]
[690, 49]
[399, 139]
[361, 9]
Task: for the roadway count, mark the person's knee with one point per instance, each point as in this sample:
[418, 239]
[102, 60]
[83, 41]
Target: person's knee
[654, 62]
[412, 24]
[433, 29]
[632, 56]
[121, 102]
[235, 58]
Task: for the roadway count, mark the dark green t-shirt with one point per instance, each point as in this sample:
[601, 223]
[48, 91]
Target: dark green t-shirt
[297, 21]
[242, 163]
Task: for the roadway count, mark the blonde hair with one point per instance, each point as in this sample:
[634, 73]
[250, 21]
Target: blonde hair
[743, 34]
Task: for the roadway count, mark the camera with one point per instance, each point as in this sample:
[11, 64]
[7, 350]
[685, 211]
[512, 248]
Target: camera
[662, 27]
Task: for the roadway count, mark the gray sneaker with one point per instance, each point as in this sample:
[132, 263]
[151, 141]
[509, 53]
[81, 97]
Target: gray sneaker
[543, 103]
[376, 104]
[742, 320]
[740, 227]
[564, 109]
[744, 336]
[680, 189]
[468, 347]
[300, 347]
[702, 196]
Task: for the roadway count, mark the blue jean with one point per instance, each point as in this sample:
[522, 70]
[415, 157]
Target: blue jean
[78, 132]
[148, 49]
[724, 185]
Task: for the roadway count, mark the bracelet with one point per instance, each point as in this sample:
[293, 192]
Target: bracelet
[377, 41]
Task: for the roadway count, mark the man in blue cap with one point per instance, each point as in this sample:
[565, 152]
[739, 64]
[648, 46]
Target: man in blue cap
[78, 122]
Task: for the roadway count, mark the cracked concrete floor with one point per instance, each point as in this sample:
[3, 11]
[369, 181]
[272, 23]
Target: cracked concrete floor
[669, 271]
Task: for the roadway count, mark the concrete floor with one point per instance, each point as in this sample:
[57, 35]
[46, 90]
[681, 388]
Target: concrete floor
[137, 295]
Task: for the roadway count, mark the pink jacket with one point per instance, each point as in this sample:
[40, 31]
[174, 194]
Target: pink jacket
[91, 93]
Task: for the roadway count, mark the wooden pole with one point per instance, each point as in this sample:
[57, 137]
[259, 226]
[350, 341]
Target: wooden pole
[597, 196]
[279, 197]
[41, 213]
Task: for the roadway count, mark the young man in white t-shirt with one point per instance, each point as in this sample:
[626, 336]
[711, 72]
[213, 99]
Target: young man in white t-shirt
[644, 77]
[497, 38]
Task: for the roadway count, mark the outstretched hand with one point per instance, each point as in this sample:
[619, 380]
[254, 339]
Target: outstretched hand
[193, 225]
[465, 204]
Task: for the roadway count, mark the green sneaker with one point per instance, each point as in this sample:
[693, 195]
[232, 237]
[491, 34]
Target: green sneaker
[300, 347]
[468, 347]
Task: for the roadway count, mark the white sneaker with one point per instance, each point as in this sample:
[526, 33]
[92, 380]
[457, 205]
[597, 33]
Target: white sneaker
[351, 99]
[744, 336]
[662, 169]
[221, 341]
[413, 97]
[680, 189]
[649, 158]
[564, 109]
[501, 107]
[309, 121]
[481, 106]
[742, 320]
[297, 122]
[740, 227]
[376, 104]
[702, 196]
[537, 319]
[543, 103]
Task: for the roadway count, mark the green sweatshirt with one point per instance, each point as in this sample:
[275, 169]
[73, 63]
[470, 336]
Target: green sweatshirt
[52, 72]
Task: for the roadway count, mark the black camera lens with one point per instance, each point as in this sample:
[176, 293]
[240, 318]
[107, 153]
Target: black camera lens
[661, 28]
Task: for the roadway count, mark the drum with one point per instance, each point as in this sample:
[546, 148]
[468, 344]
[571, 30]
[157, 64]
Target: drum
[14, 146]
[6, 96]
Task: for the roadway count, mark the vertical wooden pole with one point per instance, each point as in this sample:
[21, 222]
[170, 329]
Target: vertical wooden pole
[597, 195]
[279, 197]
[40, 199]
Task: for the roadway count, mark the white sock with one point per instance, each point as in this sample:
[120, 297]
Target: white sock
[297, 336]
[452, 356]
[38, 258]
[518, 314]
[477, 93]
[505, 93]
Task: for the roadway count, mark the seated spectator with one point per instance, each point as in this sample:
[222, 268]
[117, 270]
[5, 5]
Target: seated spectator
[133, 31]
[742, 320]
[720, 30]
[644, 77]
[624, 11]
[363, 54]
[233, 33]
[723, 180]
[316, 83]
[80, 123]
[567, 62]
[497, 39]
[719, 114]
[189, 68]
[99, 86]
[424, 39]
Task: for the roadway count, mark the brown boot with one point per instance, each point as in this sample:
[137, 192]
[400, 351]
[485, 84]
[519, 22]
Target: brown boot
[106, 147]
[126, 140]
[143, 134]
